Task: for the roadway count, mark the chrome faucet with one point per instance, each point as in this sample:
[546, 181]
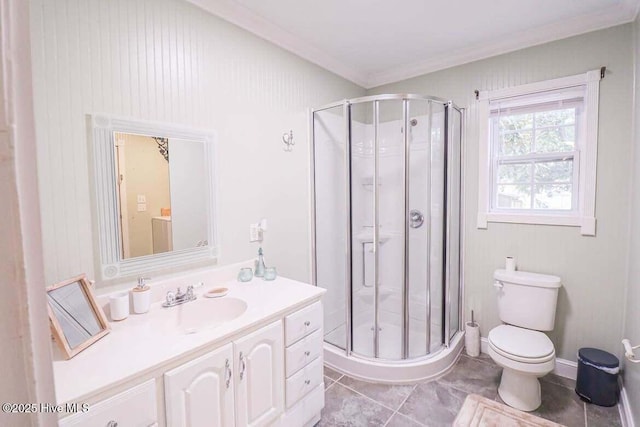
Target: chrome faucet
[179, 297]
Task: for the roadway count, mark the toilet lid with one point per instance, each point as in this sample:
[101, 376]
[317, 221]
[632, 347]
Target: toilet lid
[521, 342]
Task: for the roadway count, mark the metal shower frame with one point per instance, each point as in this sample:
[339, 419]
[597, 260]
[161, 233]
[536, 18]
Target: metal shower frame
[449, 106]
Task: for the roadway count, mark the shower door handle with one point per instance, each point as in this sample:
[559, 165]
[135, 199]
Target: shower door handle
[416, 219]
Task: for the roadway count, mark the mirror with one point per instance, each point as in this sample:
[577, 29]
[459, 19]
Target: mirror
[76, 319]
[154, 195]
[161, 193]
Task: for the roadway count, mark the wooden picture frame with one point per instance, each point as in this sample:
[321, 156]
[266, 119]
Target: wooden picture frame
[92, 307]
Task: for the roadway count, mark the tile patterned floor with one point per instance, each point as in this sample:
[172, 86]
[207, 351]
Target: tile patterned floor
[350, 402]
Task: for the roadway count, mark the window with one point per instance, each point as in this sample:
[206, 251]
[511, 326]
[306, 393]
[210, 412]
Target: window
[537, 156]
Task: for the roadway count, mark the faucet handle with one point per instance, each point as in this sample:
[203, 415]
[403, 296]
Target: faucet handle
[171, 297]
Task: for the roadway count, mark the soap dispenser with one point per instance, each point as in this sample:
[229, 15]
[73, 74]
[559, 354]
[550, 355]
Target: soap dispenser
[259, 265]
[141, 296]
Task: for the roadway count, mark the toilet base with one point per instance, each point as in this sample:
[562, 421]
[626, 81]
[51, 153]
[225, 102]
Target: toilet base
[520, 390]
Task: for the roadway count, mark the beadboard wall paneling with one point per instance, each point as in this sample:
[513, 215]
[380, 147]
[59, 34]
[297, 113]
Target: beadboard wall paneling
[593, 269]
[631, 371]
[167, 60]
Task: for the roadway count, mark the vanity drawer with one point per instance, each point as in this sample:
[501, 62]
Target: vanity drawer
[303, 352]
[303, 381]
[135, 407]
[306, 409]
[302, 323]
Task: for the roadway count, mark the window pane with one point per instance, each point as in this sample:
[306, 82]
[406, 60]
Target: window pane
[556, 117]
[513, 196]
[552, 196]
[558, 139]
[555, 171]
[515, 143]
[515, 122]
[514, 173]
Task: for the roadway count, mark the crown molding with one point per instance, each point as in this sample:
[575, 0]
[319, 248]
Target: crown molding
[623, 13]
[633, 6]
[237, 14]
[243, 17]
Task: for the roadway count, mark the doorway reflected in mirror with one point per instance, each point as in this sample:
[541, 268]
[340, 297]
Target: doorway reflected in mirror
[161, 194]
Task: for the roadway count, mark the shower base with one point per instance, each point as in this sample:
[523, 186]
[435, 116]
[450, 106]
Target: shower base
[397, 371]
[390, 340]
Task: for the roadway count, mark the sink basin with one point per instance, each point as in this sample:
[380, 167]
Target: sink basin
[204, 313]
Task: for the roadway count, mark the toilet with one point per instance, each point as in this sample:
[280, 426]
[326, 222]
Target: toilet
[527, 306]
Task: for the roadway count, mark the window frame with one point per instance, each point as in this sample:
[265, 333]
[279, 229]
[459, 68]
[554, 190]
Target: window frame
[584, 155]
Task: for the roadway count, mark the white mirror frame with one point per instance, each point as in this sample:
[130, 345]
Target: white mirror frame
[106, 202]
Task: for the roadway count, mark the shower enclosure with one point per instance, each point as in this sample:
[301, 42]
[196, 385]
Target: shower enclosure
[386, 174]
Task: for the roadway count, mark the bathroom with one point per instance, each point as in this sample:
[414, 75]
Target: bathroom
[250, 78]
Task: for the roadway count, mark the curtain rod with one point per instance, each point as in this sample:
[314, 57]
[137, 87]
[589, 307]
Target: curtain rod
[603, 70]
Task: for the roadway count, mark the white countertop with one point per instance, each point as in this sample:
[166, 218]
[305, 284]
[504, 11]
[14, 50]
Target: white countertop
[143, 342]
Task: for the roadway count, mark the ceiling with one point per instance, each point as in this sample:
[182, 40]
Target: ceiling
[373, 42]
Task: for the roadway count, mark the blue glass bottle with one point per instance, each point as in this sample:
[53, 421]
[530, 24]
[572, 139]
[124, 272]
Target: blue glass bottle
[259, 267]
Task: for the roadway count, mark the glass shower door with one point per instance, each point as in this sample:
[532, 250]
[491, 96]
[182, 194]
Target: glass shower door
[387, 211]
[377, 223]
[330, 174]
[453, 217]
[363, 255]
[390, 220]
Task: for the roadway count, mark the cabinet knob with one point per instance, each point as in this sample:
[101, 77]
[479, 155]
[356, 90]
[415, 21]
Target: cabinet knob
[112, 423]
[307, 353]
[307, 323]
[307, 382]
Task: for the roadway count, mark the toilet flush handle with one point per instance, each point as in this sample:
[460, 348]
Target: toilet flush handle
[498, 284]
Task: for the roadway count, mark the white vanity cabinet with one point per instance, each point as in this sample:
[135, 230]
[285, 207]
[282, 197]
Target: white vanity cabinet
[239, 384]
[262, 369]
[304, 366]
[135, 407]
[201, 392]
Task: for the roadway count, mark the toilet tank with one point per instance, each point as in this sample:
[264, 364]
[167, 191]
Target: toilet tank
[527, 299]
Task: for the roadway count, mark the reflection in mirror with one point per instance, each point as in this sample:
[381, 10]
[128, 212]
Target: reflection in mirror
[142, 176]
[162, 191]
[74, 313]
[154, 195]
[76, 319]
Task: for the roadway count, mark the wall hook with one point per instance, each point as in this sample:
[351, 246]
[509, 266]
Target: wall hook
[287, 138]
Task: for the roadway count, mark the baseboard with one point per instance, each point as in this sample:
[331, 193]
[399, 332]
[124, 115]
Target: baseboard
[624, 406]
[564, 368]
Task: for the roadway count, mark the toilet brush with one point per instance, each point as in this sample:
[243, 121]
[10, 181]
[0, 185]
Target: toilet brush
[472, 337]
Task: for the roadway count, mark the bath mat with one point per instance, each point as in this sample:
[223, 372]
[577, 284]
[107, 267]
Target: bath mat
[479, 411]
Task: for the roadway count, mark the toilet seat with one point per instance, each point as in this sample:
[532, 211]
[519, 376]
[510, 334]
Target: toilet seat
[521, 345]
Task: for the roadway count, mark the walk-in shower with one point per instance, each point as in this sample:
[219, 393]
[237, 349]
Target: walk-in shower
[386, 174]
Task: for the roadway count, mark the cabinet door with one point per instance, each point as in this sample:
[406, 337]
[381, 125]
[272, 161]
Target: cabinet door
[259, 373]
[200, 392]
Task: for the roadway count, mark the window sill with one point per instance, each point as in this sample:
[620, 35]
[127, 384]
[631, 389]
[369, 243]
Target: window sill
[587, 224]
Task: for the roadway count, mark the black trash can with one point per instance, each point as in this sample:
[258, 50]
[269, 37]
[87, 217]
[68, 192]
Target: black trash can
[597, 381]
